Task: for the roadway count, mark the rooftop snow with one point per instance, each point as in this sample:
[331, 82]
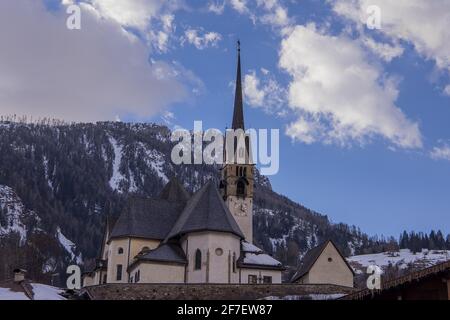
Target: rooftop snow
[260, 259]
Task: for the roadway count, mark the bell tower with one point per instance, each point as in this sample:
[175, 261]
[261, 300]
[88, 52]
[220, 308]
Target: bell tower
[237, 172]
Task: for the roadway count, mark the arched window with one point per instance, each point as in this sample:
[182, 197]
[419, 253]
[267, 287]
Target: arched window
[198, 260]
[240, 188]
[145, 249]
[234, 262]
[120, 251]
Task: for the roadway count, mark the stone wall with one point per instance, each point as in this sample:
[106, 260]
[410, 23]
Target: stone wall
[208, 291]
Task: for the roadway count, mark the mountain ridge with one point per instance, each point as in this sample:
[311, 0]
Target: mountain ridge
[75, 175]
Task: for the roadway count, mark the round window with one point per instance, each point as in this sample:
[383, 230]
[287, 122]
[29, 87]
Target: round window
[330, 259]
[219, 251]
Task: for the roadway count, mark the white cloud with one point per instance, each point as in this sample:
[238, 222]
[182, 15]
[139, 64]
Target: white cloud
[130, 13]
[264, 93]
[201, 41]
[339, 96]
[216, 7]
[153, 19]
[269, 12]
[276, 14]
[447, 90]
[425, 24]
[253, 92]
[385, 51]
[239, 5]
[441, 152]
[90, 74]
[168, 117]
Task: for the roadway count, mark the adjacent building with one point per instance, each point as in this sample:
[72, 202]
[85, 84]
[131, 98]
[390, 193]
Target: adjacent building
[325, 264]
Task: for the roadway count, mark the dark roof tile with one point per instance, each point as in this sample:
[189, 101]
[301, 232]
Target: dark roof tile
[174, 192]
[165, 253]
[206, 210]
[147, 218]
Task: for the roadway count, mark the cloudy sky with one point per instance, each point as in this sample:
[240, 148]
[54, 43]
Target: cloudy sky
[364, 113]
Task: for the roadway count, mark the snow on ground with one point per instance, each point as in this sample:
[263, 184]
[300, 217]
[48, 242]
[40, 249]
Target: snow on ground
[7, 294]
[69, 246]
[45, 292]
[401, 258]
[116, 177]
[41, 292]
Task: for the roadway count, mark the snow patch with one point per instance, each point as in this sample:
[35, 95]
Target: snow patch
[116, 177]
[402, 258]
[45, 292]
[13, 213]
[261, 259]
[332, 296]
[69, 246]
[7, 294]
[248, 247]
[155, 160]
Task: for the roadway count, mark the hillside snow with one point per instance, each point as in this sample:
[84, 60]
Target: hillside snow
[402, 259]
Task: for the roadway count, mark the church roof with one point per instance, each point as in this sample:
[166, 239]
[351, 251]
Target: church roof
[174, 192]
[147, 218]
[165, 253]
[205, 211]
[311, 257]
[238, 113]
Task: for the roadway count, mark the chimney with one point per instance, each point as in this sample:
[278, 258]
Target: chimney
[19, 275]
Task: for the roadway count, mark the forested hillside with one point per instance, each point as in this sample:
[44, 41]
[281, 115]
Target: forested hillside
[59, 182]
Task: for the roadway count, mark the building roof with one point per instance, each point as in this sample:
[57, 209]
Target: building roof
[166, 252]
[147, 218]
[205, 211]
[311, 257]
[174, 192]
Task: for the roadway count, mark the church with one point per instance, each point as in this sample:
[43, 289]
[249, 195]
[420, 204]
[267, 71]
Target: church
[182, 238]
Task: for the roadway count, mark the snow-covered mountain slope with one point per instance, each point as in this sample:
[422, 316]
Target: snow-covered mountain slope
[403, 259]
[14, 217]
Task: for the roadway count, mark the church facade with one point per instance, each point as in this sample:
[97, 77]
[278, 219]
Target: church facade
[182, 238]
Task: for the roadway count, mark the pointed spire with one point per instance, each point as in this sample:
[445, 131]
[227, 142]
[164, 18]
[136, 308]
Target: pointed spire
[238, 114]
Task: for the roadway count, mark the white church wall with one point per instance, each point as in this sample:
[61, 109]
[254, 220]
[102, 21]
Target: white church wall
[131, 245]
[217, 266]
[154, 272]
[115, 259]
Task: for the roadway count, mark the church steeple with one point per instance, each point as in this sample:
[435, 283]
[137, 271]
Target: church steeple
[238, 113]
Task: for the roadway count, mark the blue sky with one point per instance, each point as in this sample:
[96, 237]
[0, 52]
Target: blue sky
[363, 114]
